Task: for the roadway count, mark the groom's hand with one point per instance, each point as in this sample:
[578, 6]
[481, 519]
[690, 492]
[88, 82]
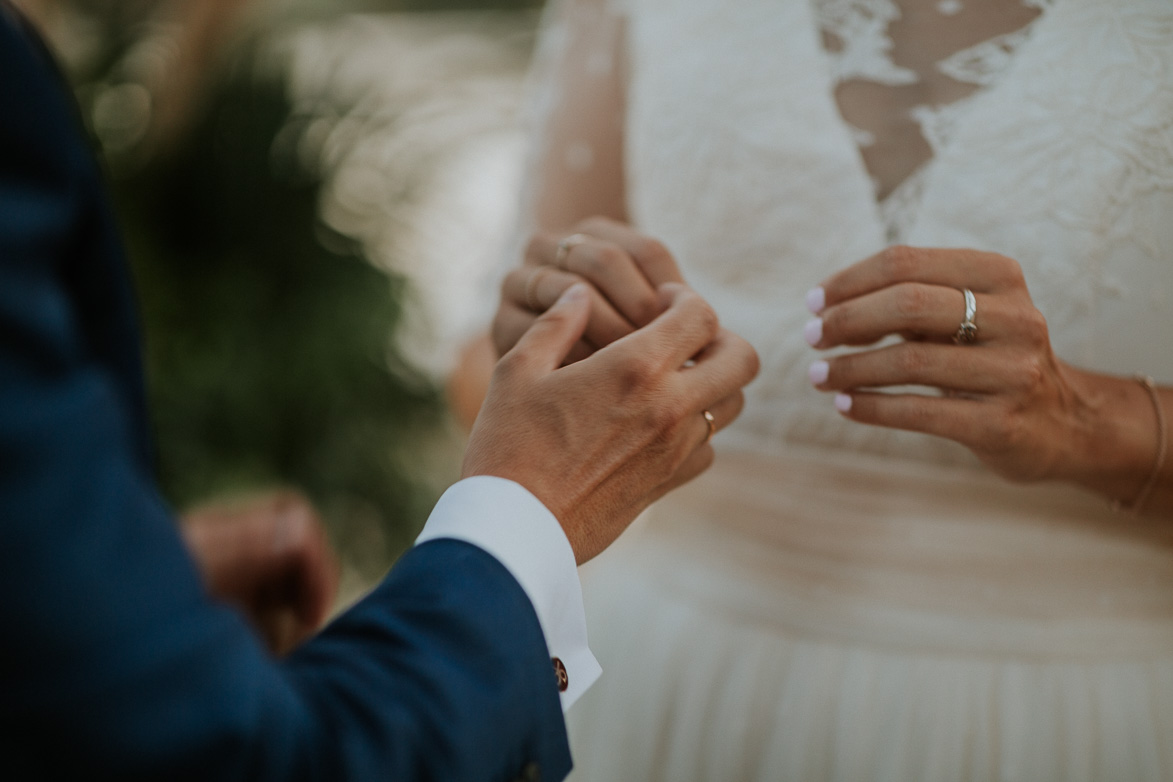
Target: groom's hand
[598, 440]
[624, 267]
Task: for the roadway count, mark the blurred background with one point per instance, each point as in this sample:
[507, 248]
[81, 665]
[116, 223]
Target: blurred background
[314, 193]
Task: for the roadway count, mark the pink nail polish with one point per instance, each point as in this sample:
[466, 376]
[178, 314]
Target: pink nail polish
[816, 299]
[843, 403]
[818, 372]
[813, 331]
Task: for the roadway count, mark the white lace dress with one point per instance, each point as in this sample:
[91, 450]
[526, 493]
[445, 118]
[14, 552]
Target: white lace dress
[833, 601]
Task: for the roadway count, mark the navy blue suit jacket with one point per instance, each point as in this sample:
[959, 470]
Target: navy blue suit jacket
[113, 661]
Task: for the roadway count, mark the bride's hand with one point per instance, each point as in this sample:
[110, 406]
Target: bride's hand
[269, 556]
[623, 267]
[1006, 396]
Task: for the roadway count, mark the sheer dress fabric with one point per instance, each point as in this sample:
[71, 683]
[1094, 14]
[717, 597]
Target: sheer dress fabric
[833, 601]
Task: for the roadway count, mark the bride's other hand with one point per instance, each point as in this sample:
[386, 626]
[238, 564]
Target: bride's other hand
[623, 267]
[1007, 397]
[270, 557]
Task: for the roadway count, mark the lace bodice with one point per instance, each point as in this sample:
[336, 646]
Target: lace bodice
[769, 143]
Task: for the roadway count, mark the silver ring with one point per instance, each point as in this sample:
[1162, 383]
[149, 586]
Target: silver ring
[564, 248]
[967, 331]
[712, 422]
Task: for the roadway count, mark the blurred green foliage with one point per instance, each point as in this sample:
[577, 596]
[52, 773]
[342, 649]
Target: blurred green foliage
[269, 337]
[268, 355]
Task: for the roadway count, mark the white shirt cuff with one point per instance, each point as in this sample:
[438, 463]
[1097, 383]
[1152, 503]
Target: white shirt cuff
[504, 519]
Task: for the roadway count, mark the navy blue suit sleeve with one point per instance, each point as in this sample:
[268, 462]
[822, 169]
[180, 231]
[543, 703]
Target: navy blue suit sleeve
[113, 661]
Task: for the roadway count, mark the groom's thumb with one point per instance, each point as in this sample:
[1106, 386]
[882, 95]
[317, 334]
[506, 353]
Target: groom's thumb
[550, 339]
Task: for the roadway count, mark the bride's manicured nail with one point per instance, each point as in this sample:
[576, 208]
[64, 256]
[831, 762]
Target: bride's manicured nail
[818, 372]
[813, 331]
[843, 403]
[816, 299]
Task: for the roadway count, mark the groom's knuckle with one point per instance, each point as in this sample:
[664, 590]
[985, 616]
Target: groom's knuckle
[512, 364]
[647, 308]
[749, 363]
[636, 371]
[705, 316]
[662, 418]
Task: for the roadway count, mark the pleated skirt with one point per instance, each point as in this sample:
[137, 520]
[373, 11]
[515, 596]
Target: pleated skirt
[806, 619]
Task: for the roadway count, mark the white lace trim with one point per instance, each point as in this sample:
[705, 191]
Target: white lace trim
[860, 27]
[938, 123]
[863, 138]
[984, 63]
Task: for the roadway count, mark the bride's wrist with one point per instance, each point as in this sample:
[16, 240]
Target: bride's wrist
[1115, 440]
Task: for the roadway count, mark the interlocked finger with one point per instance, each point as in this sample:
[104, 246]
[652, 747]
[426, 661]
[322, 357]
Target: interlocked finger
[684, 329]
[652, 257]
[512, 322]
[726, 365]
[536, 288]
[606, 265]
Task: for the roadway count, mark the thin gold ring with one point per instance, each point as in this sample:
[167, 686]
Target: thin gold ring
[712, 422]
[564, 248]
[531, 289]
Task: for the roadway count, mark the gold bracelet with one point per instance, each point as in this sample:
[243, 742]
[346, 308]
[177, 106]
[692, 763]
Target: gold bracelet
[1142, 497]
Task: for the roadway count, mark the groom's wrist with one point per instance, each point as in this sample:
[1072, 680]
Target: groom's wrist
[502, 518]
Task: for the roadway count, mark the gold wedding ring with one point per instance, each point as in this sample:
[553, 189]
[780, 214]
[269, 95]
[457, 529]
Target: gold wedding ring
[564, 248]
[712, 422]
[967, 331]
